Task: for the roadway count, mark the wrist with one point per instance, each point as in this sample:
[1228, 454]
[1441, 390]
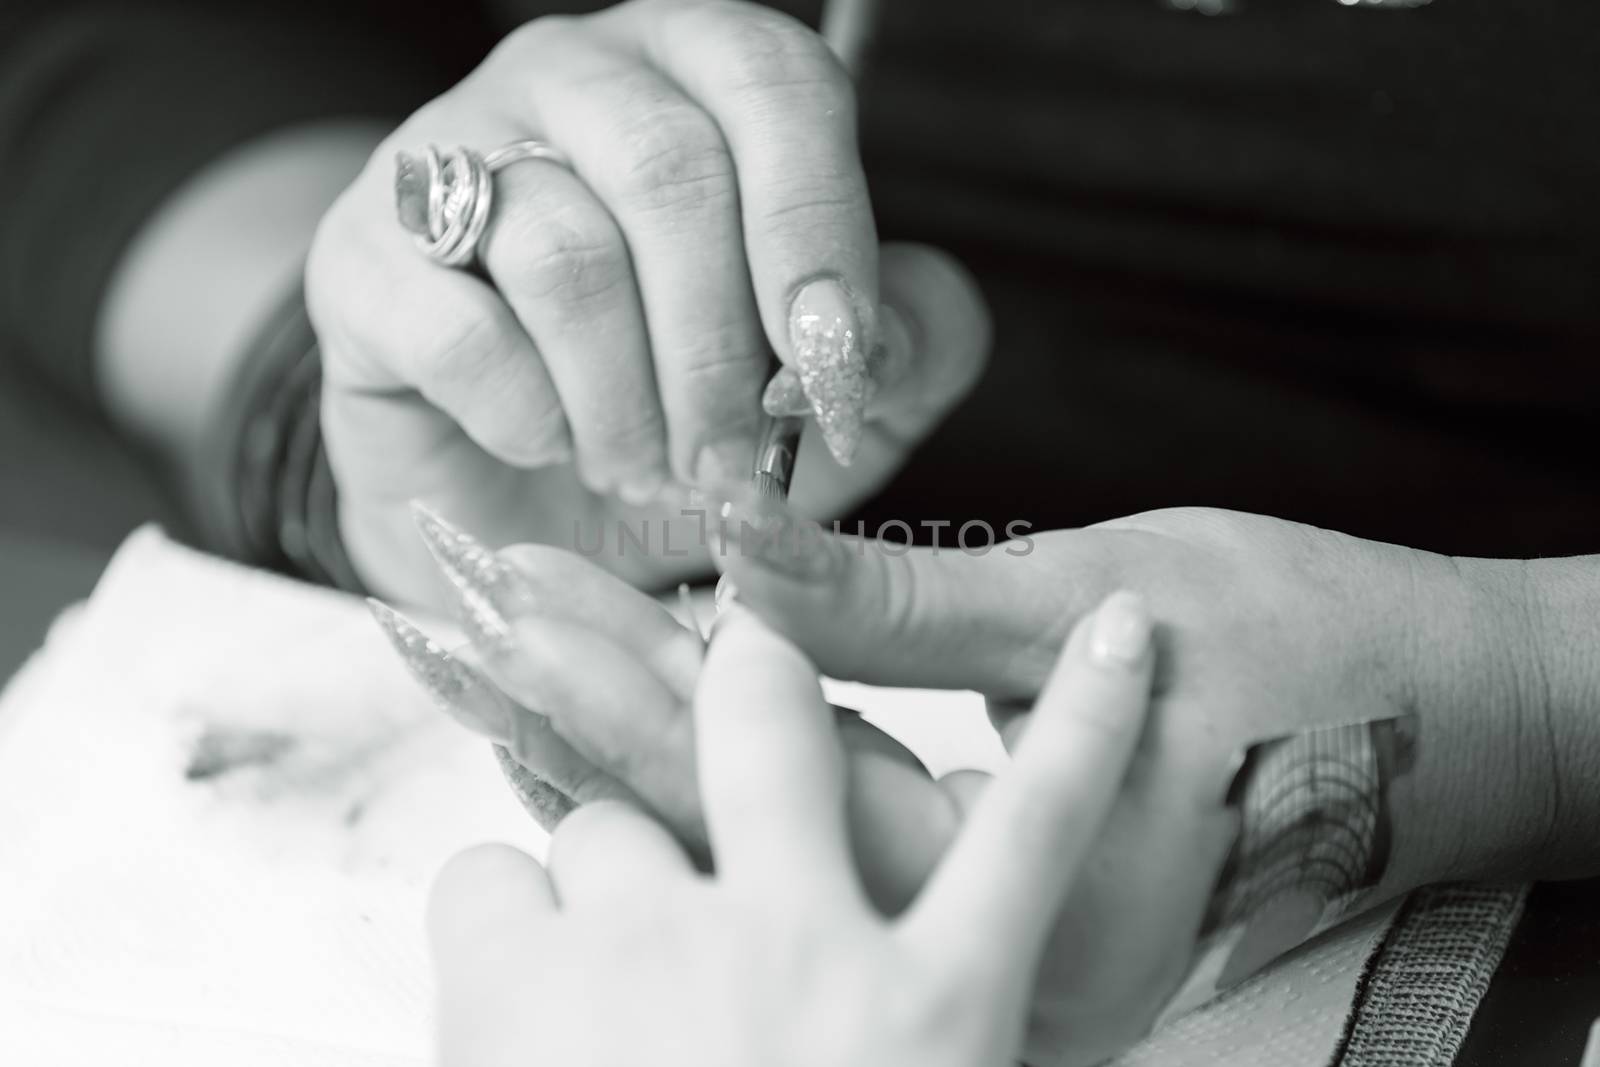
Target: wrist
[207, 270]
[1555, 606]
[1508, 738]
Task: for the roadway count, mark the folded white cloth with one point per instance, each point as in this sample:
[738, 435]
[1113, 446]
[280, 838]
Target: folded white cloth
[221, 801]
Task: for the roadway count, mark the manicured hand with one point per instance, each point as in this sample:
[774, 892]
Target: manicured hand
[615, 346]
[620, 952]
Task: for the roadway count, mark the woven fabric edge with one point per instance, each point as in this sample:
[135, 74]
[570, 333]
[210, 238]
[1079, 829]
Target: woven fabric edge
[1422, 985]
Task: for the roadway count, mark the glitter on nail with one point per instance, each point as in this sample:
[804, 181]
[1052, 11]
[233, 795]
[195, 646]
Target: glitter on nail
[485, 585]
[455, 687]
[834, 377]
[824, 335]
[445, 678]
[547, 804]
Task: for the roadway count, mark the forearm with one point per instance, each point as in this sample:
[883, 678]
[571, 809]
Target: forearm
[1507, 691]
[1560, 683]
[107, 108]
[205, 272]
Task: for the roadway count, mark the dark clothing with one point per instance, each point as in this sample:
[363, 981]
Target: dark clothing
[1336, 265]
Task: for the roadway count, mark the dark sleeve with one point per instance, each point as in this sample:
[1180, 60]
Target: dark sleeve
[105, 108]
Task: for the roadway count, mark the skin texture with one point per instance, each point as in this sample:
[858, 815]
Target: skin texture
[614, 348]
[1266, 628]
[777, 958]
[1271, 628]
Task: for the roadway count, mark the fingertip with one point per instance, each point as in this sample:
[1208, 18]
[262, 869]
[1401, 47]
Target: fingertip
[1121, 631]
[929, 286]
[740, 637]
[483, 895]
[1100, 682]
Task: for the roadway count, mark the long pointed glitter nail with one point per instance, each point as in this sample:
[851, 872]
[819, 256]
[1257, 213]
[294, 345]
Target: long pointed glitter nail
[825, 334]
[686, 605]
[887, 363]
[456, 688]
[547, 804]
[487, 589]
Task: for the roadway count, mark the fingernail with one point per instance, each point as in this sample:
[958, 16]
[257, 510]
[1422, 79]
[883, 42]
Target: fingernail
[1120, 633]
[785, 396]
[686, 606]
[547, 804]
[761, 529]
[826, 336]
[411, 193]
[725, 594]
[643, 489]
[674, 495]
[725, 462]
[887, 364]
[456, 688]
[487, 589]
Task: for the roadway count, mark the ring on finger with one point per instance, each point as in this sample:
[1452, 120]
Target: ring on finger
[444, 199]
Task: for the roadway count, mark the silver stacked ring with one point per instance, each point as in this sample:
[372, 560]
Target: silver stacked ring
[445, 200]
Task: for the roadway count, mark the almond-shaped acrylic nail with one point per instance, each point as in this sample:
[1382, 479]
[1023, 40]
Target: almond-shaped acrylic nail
[458, 690]
[830, 345]
[489, 592]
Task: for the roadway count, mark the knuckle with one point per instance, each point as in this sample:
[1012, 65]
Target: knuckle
[721, 377]
[567, 260]
[899, 595]
[676, 158]
[765, 54]
[458, 351]
[797, 204]
[469, 364]
[622, 440]
[531, 37]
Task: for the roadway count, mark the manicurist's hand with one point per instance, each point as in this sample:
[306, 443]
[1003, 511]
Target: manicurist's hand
[1268, 629]
[615, 344]
[618, 951]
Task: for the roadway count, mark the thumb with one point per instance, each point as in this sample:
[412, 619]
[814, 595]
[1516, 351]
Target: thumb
[892, 614]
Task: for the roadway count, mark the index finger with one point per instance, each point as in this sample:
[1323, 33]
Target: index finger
[1000, 887]
[786, 108]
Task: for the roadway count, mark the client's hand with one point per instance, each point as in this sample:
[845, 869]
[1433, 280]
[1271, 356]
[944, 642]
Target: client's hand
[619, 952]
[614, 346]
[1268, 629]
[588, 684]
